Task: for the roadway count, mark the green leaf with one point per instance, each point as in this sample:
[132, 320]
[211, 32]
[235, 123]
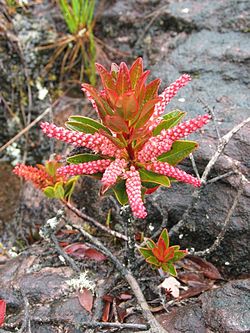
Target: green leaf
[88, 121]
[153, 261]
[49, 192]
[83, 158]
[180, 150]
[145, 252]
[171, 269]
[169, 120]
[69, 187]
[79, 127]
[59, 190]
[152, 177]
[115, 141]
[150, 243]
[165, 237]
[50, 168]
[120, 192]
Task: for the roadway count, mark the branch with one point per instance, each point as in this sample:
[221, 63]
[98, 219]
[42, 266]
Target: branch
[85, 217]
[220, 237]
[155, 326]
[196, 194]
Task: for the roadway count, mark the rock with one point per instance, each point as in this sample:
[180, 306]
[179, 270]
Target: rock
[215, 52]
[227, 309]
[224, 310]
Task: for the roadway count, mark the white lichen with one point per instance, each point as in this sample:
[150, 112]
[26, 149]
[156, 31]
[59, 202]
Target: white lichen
[81, 282]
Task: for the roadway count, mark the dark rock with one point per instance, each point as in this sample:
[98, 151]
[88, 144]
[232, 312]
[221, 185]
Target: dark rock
[185, 320]
[223, 310]
[227, 309]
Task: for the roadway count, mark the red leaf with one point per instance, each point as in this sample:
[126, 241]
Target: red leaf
[81, 251]
[86, 299]
[106, 311]
[107, 79]
[123, 83]
[136, 71]
[208, 269]
[190, 277]
[194, 291]
[122, 313]
[95, 255]
[2, 311]
[76, 249]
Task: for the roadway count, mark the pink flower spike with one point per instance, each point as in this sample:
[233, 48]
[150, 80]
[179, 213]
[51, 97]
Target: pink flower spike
[166, 169]
[97, 142]
[88, 168]
[167, 95]
[114, 170]
[155, 146]
[133, 189]
[184, 129]
[36, 176]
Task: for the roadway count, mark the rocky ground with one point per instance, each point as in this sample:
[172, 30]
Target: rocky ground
[210, 41]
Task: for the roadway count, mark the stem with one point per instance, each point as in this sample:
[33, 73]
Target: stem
[130, 221]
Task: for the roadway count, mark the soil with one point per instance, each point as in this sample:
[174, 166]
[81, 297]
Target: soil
[208, 40]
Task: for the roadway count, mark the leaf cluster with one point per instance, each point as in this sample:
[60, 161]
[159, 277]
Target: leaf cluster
[161, 255]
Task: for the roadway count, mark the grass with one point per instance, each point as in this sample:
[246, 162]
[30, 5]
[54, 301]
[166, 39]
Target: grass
[77, 47]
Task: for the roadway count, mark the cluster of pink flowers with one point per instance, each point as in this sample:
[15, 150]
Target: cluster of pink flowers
[38, 177]
[133, 188]
[126, 89]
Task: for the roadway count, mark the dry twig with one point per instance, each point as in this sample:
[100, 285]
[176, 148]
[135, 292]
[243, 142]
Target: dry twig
[87, 218]
[196, 194]
[155, 326]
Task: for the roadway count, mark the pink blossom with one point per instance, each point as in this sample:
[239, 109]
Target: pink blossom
[114, 170]
[133, 189]
[170, 171]
[184, 129]
[162, 143]
[167, 95]
[97, 142]
[88, 168]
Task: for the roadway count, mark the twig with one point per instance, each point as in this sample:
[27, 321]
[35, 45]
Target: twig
[130, 233]
[212, 113]
[191, 156]
[48, 233]
[196, 194]
[222, 145]
[27, 128]
[68, 259]
[93, 221]
[225, 175]
[94, 324]
[155, 326]
[220, 237]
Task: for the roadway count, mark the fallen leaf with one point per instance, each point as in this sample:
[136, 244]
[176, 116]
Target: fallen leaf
[81, 251]
[189, 277]
[86, 299]
[194, 291]
[122, 313]
[2, 311]
[208, 269]
[106, 311]
[95, 255]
